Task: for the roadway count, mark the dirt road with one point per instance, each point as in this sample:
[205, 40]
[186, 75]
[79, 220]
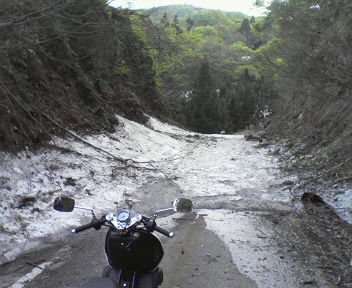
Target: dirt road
[245, 252]
[195, 257]
[246, 231]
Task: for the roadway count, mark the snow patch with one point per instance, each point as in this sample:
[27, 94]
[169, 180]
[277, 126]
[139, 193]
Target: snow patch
[30, 276]
[201, 165]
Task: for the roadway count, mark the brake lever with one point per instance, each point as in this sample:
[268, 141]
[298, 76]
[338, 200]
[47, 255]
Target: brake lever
[149, 223]
[98, 222]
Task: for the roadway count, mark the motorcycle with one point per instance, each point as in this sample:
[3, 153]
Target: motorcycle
[133, 252]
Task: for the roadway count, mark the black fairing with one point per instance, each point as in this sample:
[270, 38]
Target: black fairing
[143, 280]
[138, 254]
[98, 283]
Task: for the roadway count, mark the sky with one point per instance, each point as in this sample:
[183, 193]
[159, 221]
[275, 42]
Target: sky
[244, 6]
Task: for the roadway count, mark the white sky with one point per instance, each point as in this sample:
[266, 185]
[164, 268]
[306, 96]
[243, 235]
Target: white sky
[245, 6]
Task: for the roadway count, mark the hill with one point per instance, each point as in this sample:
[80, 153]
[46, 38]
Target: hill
[156, 13]
[185, 11]
[69, 66]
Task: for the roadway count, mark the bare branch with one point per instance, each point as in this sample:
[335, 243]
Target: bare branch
[36, 15]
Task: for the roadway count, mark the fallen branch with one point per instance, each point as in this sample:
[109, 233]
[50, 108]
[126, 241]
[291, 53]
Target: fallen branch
[37, 266]
[344, 179]
[124, 161]
[321, 175]
[158, 161]
[11, 97]
[36, 15]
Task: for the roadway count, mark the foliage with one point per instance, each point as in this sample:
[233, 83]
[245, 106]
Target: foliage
[310, 64]
[214, 48]
[71, 64]
[317, 48]
[203, 114]
[156, 14]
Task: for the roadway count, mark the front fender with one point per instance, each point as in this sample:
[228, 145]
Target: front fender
[144, 280]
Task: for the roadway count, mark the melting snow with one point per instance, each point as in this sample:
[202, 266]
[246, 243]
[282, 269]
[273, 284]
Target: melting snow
[199, 164]
[34, 273]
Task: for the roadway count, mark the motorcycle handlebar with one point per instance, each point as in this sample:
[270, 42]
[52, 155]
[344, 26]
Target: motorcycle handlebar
[164, 232]
[82, 228]
[94, 224]
[151, 226]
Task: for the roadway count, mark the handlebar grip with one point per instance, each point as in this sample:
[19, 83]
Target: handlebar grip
[83, 227]
[164, 232]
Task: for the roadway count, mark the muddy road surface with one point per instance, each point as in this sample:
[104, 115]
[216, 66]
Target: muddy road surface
[245, 231]
[221, 244]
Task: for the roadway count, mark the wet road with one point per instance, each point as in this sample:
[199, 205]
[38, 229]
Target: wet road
[223, 244]
[251, 235]
[196, 256]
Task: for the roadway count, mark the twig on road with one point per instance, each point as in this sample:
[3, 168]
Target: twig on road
[37, 266]
[312, 179]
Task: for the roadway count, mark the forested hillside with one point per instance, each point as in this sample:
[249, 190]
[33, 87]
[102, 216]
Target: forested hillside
[204, 65]
[69, 64]
[74, 64]
[157, 13]
[226, 71]
[312, 61]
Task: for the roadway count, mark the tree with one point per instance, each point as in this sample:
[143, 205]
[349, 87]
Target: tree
[165, 20]
[189, 23]
[180, 59]
[316, 42]
[70, 64]
[245, 27]
[176, 25]
[203, 114]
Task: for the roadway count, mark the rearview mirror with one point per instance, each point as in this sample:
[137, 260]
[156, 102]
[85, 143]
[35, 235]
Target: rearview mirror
[64, 204]
[179, 205]
[183, 205]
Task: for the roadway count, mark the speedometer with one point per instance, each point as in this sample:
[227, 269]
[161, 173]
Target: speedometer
[123, 216]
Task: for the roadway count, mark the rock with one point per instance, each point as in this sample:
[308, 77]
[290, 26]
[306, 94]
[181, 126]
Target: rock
[275, 221]
[26, 201]
[276, 151]
[255, 135]
[4, 181]
[288, 183]
[89, 192]
[308, 282]
[311, 198]
[263, 145]
[70, 182]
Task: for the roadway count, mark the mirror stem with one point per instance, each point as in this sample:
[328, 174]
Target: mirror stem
[162, 211]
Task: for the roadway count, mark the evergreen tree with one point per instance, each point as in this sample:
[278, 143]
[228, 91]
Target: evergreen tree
[204, 115]
[189, 23]
[176, 25]
[165, 20]
[245, 27]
